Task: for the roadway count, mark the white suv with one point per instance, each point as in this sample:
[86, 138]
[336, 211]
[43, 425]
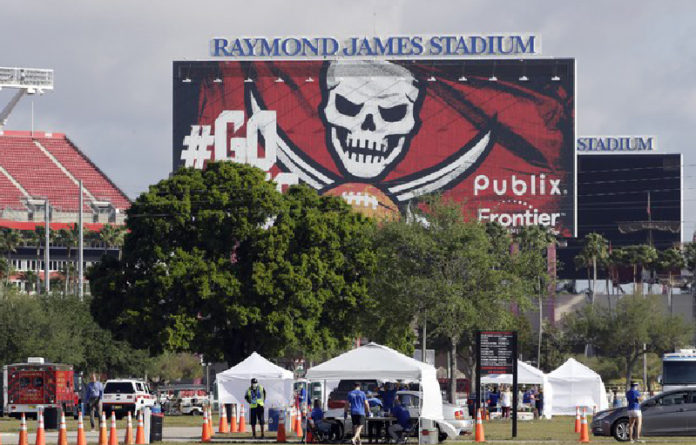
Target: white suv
[126, 395]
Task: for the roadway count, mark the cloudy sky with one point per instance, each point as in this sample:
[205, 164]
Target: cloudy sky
[636, 62]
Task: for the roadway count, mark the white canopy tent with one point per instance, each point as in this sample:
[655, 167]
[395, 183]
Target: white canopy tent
[574, 384]
[374, 361]
[233, 383]
[526, 375]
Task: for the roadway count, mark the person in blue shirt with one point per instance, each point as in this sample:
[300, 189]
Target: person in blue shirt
[387, 393]
[635, 416]
[94, 392]
[357, 404]
[403, 420]
[493, 397]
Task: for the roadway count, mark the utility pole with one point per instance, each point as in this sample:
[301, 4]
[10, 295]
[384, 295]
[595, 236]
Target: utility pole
[47, 244]
[423, 346]
[80, 255]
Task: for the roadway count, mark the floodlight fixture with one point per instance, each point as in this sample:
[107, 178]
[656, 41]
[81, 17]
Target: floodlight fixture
[25, 81]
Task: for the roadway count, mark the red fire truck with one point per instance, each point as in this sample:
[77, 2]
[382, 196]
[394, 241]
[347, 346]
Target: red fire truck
[36, 384]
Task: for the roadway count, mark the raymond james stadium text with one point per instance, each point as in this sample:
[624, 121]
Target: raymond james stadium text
[394, 46]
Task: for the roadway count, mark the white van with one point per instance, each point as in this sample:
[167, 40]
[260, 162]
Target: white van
[126, 395]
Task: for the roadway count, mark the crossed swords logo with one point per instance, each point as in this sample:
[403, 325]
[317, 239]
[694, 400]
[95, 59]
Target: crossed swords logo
[371, 113]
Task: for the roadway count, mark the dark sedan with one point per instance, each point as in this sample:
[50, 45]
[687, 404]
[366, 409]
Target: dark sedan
[672, 413]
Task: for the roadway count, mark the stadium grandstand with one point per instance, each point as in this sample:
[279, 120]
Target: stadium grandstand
[41, 172]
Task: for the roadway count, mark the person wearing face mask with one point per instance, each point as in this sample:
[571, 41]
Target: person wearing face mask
[255, 396]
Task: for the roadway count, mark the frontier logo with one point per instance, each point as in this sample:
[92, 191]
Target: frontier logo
[519, 187]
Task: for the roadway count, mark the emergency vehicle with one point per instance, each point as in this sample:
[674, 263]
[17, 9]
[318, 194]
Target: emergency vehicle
[126, 395]
[26, 387]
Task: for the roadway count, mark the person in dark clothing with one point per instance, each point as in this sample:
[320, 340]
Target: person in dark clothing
[539, 403]
[255, 397]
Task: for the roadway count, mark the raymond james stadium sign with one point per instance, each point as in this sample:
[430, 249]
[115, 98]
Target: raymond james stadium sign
[616, 143]
[392, 46]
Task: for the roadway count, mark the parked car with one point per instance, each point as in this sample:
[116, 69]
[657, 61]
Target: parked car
[456, 418]
[126, 395]
[337, 397]
[671, 413]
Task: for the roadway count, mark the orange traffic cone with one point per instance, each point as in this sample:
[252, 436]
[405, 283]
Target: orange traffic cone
[210, 421]
[224, 426]
[113, 434]
[81, 438]
[62, 431]
[205, 431]
[280, 438]
[40, 433]
[584, 432]
[479, 435]
[140, 431]
[242, 422]
[577, 419]
[128, 440]
[298, 423]
[293, 419]
[23, 439]
[103, 439]
[233, 419]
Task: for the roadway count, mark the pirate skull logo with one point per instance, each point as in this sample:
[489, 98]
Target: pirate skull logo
[371, 114]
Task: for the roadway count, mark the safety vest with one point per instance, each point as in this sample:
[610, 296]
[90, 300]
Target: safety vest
[255, 396]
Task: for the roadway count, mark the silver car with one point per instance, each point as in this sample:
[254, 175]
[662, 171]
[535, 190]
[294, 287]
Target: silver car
[671, 413]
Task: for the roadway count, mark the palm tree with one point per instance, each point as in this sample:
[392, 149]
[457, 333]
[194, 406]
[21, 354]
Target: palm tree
[112, 235]
[670, 260]
[10, 239]
[595, 249]
[30, 278]
[643, 256]
[68, 238]
[35, 238]
[537, 239]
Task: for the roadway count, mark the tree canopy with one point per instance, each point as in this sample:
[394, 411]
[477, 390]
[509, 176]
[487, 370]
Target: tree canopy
[622, 333]
[221, 263]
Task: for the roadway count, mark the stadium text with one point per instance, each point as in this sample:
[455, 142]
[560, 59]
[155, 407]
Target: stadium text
[616, 143]
[393, 46]
[526, 218]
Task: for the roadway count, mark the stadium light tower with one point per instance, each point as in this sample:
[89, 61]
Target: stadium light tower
[26, 81]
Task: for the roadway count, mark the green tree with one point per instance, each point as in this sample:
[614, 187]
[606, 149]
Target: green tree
[438, 268]
[639, 256]
[63, 330]
[219, 262]
[110, 236]
[669, 261]
[170, 366]
[636, 322]
[10, 239]
[595, 250]
[532, 244]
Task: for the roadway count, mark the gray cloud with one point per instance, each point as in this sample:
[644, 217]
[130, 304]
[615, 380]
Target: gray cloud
[636, 64]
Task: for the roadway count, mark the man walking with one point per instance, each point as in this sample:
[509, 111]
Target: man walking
[93, 398]
[357, 403]
[255, 396]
